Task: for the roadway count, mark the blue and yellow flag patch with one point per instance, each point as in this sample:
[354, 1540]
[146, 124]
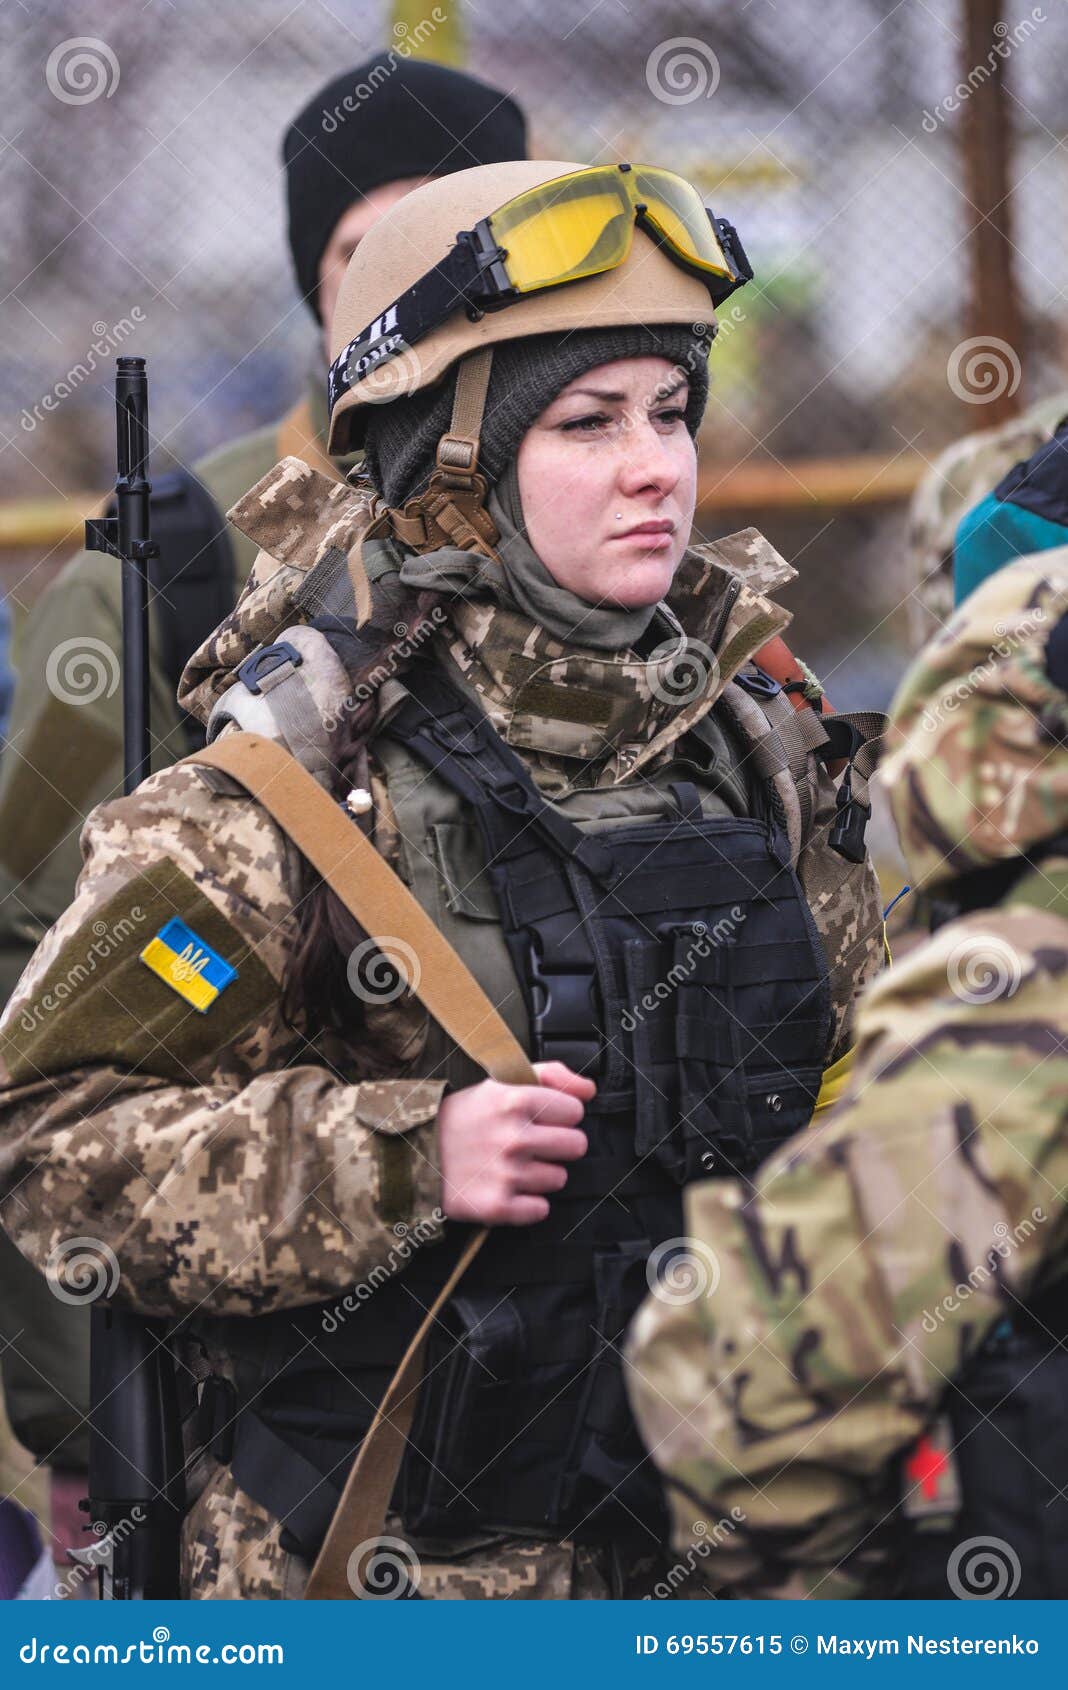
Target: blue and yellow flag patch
[189, 966]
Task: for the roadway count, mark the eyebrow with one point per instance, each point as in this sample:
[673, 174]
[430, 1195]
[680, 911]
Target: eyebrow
[610, 396]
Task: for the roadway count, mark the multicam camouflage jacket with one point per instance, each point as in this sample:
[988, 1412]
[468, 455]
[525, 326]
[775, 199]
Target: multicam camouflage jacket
[157, 1110]
[826, 1307]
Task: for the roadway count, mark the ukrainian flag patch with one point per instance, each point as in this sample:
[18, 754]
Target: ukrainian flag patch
[188, 965]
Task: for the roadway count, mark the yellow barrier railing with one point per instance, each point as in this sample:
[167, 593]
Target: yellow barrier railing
[833, 483]
[31, 524]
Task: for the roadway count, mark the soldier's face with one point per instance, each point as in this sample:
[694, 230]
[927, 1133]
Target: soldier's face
[349, 231]
[608, 479]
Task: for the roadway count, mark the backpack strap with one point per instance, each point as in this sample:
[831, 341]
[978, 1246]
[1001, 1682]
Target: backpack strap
[786, 737]
[388, 912]
[857, 737]
[779, 749]
[796, 678]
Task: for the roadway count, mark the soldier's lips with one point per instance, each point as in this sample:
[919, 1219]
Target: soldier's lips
[650, 536]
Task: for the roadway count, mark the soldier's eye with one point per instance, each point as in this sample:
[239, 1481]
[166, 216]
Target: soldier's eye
[596, 419]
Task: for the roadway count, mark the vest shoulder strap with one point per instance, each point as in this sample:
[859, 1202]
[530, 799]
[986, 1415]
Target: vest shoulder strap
[747, 553]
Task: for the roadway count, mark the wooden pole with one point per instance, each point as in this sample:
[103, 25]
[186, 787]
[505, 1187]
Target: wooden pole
[986, 147]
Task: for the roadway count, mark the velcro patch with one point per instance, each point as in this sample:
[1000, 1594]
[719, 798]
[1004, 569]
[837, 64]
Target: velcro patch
[186, 963]
[98, 1003]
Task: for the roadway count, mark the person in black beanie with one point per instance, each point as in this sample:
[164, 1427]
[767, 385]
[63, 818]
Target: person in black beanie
[369, 136]
[357, 147]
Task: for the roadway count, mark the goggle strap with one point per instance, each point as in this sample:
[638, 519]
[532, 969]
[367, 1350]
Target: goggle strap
[457, 454]
[424, 306]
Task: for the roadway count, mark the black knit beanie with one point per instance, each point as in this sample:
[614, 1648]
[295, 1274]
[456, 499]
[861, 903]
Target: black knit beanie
[388, 119]
[526, 375]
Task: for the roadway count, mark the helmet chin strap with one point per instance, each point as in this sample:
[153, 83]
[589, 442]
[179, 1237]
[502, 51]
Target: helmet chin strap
[451, 511]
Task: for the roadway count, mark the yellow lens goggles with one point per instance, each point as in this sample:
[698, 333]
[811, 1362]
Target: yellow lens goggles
[583, 224]
[574, 226]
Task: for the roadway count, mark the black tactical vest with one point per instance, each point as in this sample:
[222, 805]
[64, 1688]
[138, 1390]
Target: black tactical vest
[678, 964]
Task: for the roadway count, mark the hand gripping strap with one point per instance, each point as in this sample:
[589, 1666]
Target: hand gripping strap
[386, 910]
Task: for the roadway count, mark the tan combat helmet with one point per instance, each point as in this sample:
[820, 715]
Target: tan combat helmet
[420, 230]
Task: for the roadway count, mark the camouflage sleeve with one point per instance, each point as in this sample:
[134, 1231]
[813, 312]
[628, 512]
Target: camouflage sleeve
[159, 1104]
[826, 1307]
[64, 753]
[846, 904]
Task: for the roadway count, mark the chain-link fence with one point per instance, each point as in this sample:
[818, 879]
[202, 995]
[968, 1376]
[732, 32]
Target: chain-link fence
[141, 189]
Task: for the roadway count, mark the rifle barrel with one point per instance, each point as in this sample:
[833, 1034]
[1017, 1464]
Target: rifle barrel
[132, 491]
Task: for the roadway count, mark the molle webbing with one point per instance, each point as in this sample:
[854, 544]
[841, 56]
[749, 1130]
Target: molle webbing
[523, 1422]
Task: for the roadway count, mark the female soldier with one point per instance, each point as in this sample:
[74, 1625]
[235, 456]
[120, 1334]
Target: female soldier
[541, 710]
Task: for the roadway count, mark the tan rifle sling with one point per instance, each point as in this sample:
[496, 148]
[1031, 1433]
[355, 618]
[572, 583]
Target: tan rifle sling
[387, 911]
